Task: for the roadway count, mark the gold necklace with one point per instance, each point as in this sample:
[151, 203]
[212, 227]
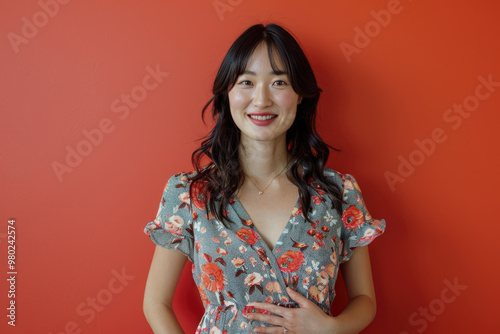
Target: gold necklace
[262, 191]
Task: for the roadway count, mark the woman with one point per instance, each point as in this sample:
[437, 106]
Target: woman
[265, 248]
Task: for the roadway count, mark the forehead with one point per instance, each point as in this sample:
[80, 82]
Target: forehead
[260, 60]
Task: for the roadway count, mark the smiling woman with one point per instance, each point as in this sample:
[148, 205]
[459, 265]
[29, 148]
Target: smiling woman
[266, 249]
[263, 104]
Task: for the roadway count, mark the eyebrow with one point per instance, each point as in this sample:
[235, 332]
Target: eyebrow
[272, 72]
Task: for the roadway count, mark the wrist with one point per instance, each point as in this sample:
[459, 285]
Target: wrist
[334, 325]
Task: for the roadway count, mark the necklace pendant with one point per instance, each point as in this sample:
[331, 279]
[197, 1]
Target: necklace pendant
[260, 192]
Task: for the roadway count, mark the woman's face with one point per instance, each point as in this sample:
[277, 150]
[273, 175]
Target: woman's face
[263, 103]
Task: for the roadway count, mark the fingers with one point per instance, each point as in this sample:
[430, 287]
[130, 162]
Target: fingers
[276, 318]
[267, 318]
[297, 297]
[273, 330]
[271, 308]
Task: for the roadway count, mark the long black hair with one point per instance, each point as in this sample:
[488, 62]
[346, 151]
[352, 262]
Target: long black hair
[216, 182]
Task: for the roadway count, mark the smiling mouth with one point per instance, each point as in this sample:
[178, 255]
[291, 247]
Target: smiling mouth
[263, 118]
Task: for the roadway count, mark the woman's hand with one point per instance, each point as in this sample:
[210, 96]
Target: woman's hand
[308, 318]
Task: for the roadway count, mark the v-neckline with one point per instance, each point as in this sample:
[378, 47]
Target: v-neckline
[243, 211]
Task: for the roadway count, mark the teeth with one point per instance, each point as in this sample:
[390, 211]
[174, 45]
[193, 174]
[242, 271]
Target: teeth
[262, 118]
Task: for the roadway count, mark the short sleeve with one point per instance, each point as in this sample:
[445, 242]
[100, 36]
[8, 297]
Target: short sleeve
[173, 225]
[359, 228]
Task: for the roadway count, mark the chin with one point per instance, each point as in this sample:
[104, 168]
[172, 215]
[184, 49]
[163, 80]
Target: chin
[265, 137]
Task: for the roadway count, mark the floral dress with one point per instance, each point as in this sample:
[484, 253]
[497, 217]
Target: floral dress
[233, 265]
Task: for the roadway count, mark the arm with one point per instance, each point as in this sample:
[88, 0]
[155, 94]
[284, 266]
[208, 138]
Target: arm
[166, 268]
[361, 308]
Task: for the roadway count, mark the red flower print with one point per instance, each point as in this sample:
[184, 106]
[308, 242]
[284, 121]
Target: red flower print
[353, 217]
[317, 294]
[203, 296]
[184, 197]
[198, 245]
[253, 309]
[319, 236]
[290, 261]
[296, 212]
[316, 186]
[263, 256]
[174, 225]
[369, 235]
[253, 279]
[317, 200]
[215, 329]
[359, 200]
[198, 198]
[156, 225]
[330, 269]
[222, 251]
[238, 262]
[348, 185]
[273, 287]
[213, 277]
[247, 235]
[246, 222]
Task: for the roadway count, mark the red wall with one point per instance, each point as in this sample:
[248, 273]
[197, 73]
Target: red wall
[391, 102]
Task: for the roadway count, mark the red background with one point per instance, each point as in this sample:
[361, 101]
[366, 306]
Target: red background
[75, 232]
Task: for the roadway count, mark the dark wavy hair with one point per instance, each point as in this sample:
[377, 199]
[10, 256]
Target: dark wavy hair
[216, 182]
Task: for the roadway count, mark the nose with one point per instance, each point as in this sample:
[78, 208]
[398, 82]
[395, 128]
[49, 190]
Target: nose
[262, 97]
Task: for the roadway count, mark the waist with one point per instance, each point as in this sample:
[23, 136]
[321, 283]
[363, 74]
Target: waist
[246, 309]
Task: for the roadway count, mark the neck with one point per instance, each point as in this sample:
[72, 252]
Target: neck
[263, 160]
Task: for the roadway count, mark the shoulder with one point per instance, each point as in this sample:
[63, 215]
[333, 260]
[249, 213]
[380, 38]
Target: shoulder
[178, 186]
[345, 181]
[335, 176]
[185, 179]
[181, 187]
[181, 179]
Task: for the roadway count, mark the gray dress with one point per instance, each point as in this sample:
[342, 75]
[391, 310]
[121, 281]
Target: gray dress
[233, 265]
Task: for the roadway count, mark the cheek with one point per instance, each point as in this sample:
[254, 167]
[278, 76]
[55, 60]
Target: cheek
[237, 100]
[287, 100]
